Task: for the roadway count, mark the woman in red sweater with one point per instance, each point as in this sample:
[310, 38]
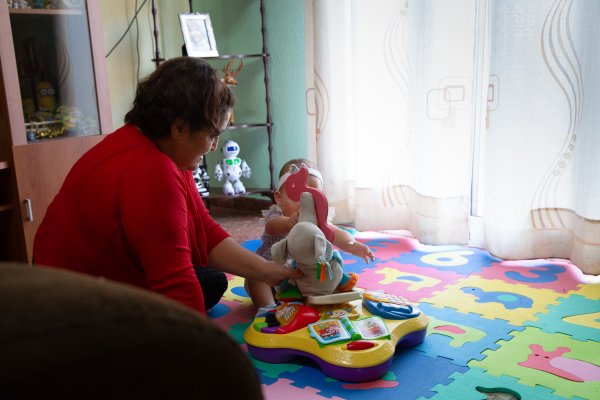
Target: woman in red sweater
[129, 209]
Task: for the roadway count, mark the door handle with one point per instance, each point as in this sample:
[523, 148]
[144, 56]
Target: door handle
[28, 210]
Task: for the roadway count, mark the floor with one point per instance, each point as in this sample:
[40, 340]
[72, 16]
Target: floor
[493, 323]
[242, 225]
[242, 222]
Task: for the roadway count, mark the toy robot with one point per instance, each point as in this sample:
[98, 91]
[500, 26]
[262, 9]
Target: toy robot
[233, 168]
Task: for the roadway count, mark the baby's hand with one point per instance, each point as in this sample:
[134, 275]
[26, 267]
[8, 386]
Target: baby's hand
[361, 250]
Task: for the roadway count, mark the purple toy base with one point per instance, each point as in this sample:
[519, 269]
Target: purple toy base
[346, 374]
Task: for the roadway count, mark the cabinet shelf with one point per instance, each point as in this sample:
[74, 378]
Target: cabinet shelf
[43, 11]
[4, 165]
[249, 191]
[267, 192]
[5, 207]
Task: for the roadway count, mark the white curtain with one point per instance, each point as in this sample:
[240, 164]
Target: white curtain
[542, 149]
[423, 108]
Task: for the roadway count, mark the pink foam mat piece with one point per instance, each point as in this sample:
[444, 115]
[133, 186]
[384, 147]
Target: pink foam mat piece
[410, 281]
[558, 275]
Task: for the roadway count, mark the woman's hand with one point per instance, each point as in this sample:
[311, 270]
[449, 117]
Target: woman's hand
[229, 256]
[275, 273]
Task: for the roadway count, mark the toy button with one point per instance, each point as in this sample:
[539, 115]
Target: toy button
[360, 345]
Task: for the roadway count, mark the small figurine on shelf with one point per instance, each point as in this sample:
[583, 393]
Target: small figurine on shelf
[46, 99]
[230, 74]
[201, 178]
[28, 109]
[70, 116]
[18, 4]
[233, 168]
[230, 80]
[48, 4]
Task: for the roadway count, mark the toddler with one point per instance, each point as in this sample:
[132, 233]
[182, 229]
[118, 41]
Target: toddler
[281, 217]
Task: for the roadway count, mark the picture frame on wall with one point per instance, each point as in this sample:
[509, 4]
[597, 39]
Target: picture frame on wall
[198, 35]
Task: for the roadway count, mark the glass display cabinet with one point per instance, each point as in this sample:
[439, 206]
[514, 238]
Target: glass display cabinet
[54, 106]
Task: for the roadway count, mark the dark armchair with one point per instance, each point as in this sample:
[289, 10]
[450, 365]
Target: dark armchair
[66, 335]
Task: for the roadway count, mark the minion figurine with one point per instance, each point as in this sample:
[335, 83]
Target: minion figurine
[44, 93]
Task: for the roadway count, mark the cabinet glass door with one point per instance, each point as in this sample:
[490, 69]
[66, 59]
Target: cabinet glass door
[55, 68]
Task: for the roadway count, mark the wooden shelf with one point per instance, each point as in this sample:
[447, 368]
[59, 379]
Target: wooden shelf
[249, 191]
[6, 207]
[254, 199]
[266, 192]
[43, 11]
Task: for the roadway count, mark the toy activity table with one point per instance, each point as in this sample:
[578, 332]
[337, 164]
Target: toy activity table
[351, 341]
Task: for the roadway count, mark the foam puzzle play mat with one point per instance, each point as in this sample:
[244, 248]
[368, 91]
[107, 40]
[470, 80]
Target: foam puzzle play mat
[428, 322]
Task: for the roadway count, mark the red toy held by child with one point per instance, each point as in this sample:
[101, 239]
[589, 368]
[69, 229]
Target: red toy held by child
[296, 184]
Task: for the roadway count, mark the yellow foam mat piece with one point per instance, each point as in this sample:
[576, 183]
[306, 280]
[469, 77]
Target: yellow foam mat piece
[493, 299]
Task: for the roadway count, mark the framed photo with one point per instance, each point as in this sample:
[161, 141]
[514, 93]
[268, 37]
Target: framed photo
[198, 35]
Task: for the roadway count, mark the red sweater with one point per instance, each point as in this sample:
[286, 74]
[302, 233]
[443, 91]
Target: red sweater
[127, 213]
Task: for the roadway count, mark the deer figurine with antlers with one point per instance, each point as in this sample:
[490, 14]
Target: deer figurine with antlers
[230, 75]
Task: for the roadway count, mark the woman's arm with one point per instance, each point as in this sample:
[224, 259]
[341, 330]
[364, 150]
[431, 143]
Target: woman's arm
[229, 256]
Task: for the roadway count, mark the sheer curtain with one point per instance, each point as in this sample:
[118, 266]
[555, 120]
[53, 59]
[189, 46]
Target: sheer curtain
[403, 95]
[542, 149]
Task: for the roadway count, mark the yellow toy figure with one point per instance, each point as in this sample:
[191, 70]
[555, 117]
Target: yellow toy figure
[28, 109]
[44, 93]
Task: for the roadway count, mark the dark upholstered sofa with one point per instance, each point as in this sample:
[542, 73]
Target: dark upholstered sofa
[67, 335]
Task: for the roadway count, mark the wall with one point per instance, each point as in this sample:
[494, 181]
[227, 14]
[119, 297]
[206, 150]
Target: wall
[236, 25]
[122, 63]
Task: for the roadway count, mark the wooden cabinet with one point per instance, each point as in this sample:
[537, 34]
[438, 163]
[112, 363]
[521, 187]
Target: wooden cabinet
[54, 106]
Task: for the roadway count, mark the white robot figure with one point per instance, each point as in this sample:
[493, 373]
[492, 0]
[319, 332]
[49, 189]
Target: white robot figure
[233, 168]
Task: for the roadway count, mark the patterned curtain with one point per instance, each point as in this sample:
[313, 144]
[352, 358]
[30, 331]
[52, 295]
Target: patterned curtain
[542, 151]
[424, 109]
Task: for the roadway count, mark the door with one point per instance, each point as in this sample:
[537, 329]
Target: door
[41, 169]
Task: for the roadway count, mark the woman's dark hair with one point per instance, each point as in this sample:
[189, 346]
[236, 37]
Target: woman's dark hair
[184, 88]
